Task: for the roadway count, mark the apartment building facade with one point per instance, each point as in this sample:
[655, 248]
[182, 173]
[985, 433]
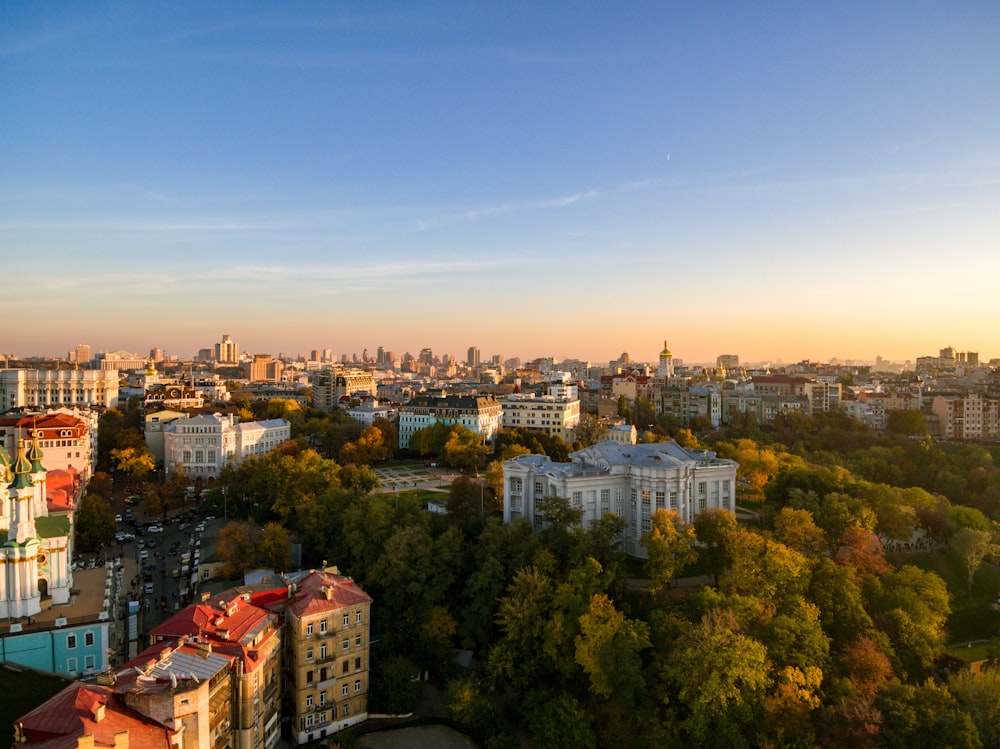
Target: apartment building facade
[481, 414]
[328, 635]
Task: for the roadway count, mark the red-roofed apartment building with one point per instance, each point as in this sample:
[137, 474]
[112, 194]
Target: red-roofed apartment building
[327, 634]
[90, 715]
[66, 440]
[250, 637]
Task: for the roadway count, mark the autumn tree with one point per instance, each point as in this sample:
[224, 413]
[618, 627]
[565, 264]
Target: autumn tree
[972, 547]
[237, 547]
[608, 648]
[274, 548]
[95, 523]
[668, 549]
[135, 461]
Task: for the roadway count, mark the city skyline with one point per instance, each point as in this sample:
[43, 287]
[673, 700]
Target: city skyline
[781, 183]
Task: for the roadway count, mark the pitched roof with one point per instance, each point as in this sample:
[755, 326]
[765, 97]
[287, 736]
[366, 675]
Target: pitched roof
[322, 591]
[77, 711]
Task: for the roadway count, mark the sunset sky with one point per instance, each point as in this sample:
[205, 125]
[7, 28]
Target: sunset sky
[774, 180]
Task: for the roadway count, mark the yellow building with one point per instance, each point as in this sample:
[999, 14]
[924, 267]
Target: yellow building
[327, 629]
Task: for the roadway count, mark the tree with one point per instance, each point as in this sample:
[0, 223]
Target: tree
[715, 528]
[979, 696]
[906, 422]
[464, 449]
[668, 549]
[469, 707]
[797, 530]
[237, 547]
[395, 689]
[558, 721]
[95, 523]
[590, 430]
[137, 462]
[274, 548]
[608, 648]
[972, 547]
[720, 677]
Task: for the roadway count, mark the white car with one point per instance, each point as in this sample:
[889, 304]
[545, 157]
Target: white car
[155, 529]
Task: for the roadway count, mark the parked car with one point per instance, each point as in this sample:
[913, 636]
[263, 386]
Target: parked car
[155, 529]
[118, 518]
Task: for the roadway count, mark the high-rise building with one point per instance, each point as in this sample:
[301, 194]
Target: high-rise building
[472, 360]
[81, 355]
[227, 351]
[426, 356]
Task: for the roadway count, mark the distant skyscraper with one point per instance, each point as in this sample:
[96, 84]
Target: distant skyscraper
[82, 353]
[227, 351]
[426, 356]
[472, 359]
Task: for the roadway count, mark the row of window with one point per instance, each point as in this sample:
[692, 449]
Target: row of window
[88, 640]
[345, 691]
[310, 626]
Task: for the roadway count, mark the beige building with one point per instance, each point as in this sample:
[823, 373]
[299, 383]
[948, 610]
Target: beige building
[329, 386]
[327, 634]
[556, 417]
[43, 388]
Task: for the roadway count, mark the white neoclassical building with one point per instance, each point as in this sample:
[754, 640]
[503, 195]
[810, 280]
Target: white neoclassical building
[631, 481]
[202, 445]
[42, 388]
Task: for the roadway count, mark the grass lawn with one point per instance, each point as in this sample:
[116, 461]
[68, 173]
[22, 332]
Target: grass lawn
[972, 617]
[22, 692]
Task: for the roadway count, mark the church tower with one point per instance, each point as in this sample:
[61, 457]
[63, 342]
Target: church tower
[19, 556]
[666, 369]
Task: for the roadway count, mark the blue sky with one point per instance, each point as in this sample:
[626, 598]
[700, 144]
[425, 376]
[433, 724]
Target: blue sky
[781, 181]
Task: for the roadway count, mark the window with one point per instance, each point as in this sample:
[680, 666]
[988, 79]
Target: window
[357, 641]
[357, 663]
[309, 718]
[309, 654]
[347, 710]
[347, 643]
[322, 651]
[71, 643]
[88, 638]
[660, 500]
[309, 701]
[309, 629]
[347, 665]
[347, 620]
[322, 626]
[357, 685]
[71, 665]
[89, 663]
[645, 500]
[309, 677]
[322, 698]
[357, 617]
[344, 690]
[673, 500]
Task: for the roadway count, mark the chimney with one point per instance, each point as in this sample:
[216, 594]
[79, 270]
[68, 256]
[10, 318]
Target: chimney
[121, 740]
[85, 742]
[99, 712]
[328, 592]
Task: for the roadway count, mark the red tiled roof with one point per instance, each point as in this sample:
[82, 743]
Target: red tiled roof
[58, 722]
[310, 597]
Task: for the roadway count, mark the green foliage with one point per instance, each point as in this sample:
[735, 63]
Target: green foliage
[95, 523]
[508, 442]
[558, 721]
[608, 648]
[470, 708]
[668, 548]
[394, 689]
